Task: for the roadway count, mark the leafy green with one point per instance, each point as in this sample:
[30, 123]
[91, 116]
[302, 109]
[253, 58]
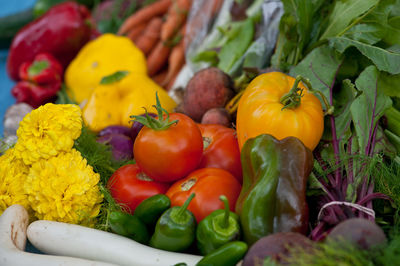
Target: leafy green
[390, 84]
[368, 108]
[99, 156]
[236, 46]
[62, 96]
[344, 13]
[320, 67]
[383, 59]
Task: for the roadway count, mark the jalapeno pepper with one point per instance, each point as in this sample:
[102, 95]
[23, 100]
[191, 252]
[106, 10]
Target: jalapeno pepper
[128, 225]
[150, 209]
[176, 228]
[228, 255]
[217, 229]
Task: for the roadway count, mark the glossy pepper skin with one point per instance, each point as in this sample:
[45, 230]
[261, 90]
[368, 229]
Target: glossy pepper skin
[128, 225]
[41, 80]
[273, 196]
[175, 230]
[217, 229]
[62, 31]
[150, 209]
[227, 255]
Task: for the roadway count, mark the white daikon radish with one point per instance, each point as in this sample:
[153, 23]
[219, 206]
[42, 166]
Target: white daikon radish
[13, 224]
[83, 242]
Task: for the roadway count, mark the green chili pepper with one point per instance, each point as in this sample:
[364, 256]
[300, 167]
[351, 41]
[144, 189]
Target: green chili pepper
[175, 230]
[128, 225]
[150, 209]
[227, 255]
[217, 229]
[273, 195]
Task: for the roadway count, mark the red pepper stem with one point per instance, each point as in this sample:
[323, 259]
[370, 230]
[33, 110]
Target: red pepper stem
[185, 205]
[225, 221]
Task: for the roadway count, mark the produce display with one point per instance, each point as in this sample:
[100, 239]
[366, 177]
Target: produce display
[202, 132]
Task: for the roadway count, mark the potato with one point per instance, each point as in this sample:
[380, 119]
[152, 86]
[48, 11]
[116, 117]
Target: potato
[208, 88]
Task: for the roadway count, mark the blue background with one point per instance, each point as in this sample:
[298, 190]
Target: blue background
[7, 8]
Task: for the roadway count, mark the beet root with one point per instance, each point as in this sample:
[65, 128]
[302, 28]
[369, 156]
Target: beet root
[208, 88]
[275, 246]
[361, 232]
[218, 116]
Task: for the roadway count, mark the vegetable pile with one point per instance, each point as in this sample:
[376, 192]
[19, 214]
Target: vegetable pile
[221, 132]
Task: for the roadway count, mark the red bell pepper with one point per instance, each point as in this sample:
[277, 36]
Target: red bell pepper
[33, 94]
[62, 31]
[43, 69]
[41, 80]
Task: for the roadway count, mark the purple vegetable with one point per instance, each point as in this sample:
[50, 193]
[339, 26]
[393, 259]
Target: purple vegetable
[115, 130]
[136, 127]
[359, 231]
[275, 246]
[121, 145]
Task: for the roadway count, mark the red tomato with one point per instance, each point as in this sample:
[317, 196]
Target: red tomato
[221, 149]
[208, 184]
[170, 154]
[129, 186]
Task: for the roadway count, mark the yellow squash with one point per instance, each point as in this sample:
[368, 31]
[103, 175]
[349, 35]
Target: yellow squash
[269, 105]
[114, 103]
[99, 58]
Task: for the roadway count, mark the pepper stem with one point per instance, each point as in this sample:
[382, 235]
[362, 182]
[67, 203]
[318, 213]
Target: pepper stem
[225, 221]
[185, 205]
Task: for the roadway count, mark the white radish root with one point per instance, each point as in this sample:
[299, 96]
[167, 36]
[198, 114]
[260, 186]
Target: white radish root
[13, 226]
[79, 241]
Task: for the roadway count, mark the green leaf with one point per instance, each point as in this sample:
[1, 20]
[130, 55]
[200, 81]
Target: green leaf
[234, 48]
[368, 108]
[390, 84]
[320, 66]
[37, 67]
[344, 13]
[206, 56]
[383, 59]
[115, 77]
[343, 100]
[366, 33]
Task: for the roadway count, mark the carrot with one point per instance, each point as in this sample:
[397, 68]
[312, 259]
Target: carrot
[176, 16]
[160, 77]
[144, 15]
[136, 31]
[175, 62]
[150, 36]
[157, 58]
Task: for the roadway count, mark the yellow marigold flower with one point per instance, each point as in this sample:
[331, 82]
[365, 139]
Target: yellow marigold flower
[48, 130]
[64, 188]
[12, 177]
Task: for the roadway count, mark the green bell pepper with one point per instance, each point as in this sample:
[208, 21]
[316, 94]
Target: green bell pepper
[273, 195]
[128, 225]
[227, 255]
[217, 229]
[175, 229]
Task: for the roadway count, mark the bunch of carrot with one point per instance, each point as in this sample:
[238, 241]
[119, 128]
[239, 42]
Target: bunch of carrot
[158, 30]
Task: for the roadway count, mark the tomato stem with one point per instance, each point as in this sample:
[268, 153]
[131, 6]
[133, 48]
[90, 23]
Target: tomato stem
[160, 123]
[293, 98]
